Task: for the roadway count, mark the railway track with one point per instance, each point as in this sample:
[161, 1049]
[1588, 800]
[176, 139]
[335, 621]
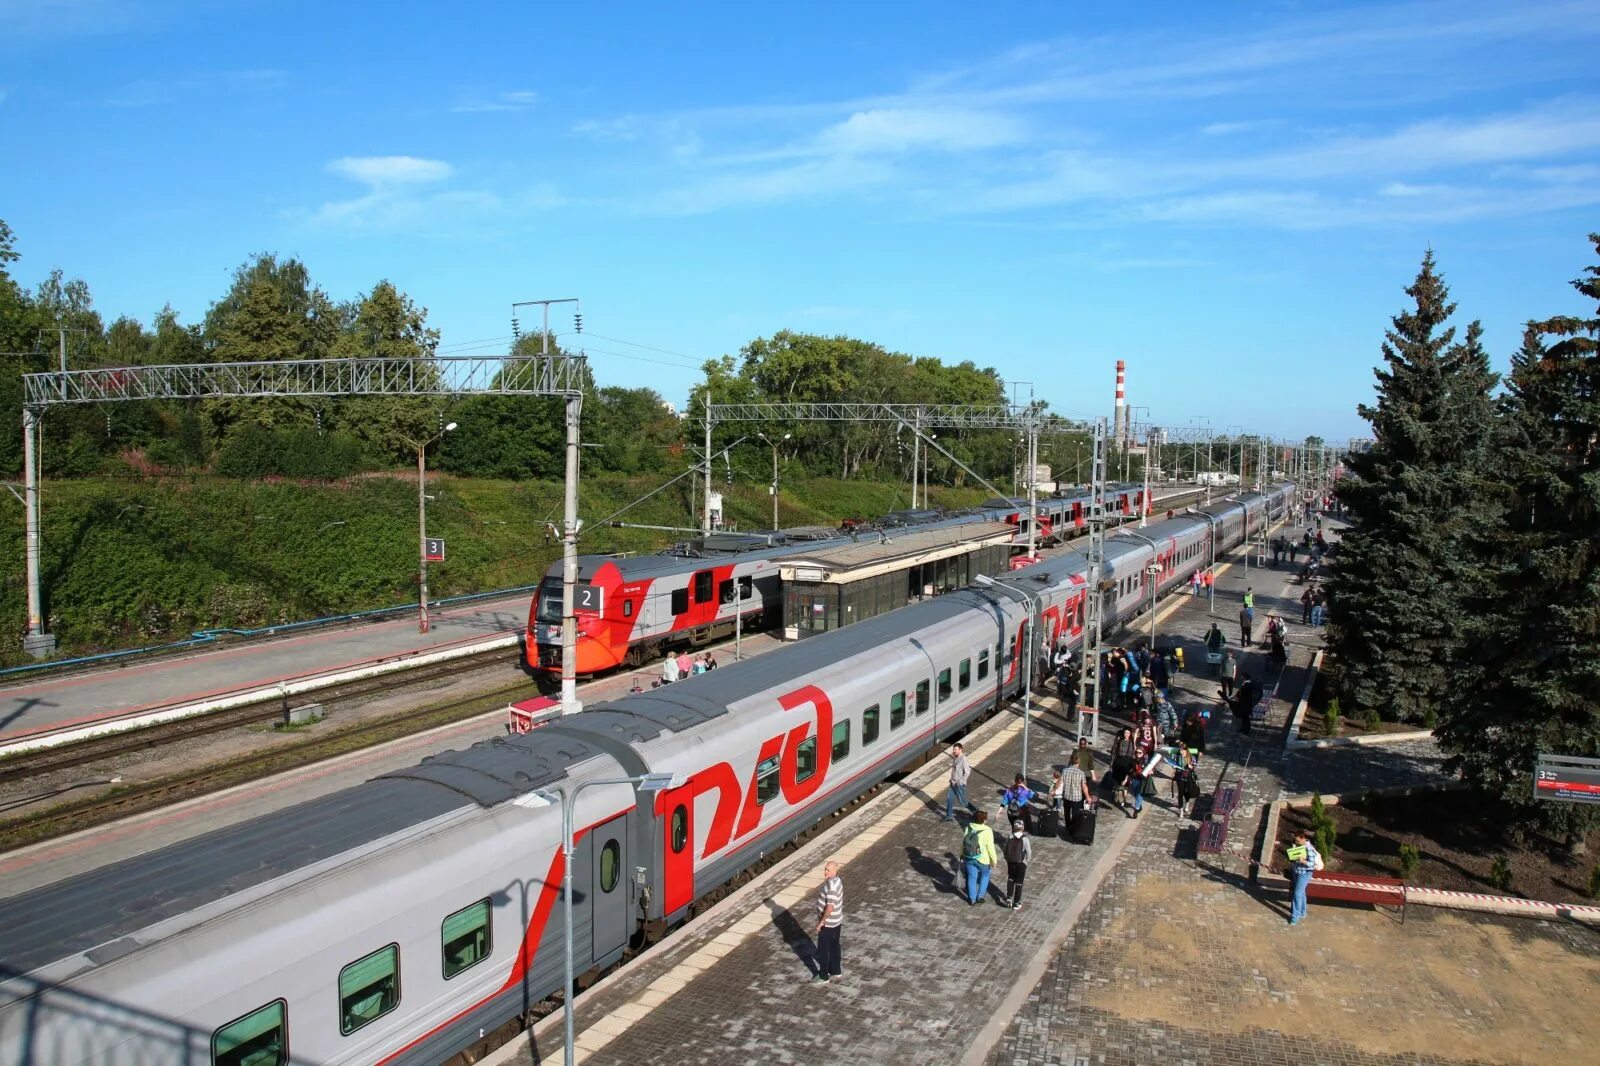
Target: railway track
[138, 798]
[98, 749]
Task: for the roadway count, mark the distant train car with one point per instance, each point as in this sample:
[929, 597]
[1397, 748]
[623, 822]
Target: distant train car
[630, 610]
[401, 920]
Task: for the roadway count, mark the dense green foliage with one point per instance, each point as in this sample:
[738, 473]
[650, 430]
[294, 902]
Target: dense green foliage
[1403, 574]
[1532, 664]
[1468, 592]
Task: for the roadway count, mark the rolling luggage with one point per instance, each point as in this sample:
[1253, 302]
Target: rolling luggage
[1083, 826]
[1050, 823]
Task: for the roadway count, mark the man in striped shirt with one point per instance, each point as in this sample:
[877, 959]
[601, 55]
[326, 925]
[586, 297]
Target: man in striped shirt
[830, 921]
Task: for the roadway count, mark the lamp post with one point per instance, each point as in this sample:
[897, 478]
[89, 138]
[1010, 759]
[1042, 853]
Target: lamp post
[1211, 587]
[774, 487]
[643, 785]
[422, 524]
[1031, 601]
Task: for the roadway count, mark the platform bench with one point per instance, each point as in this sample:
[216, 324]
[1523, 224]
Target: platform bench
[1213, 835]
[1225, 800]
[1358, 888]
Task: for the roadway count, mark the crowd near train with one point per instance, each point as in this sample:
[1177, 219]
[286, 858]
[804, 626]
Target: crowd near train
[402, 919]
[631, 609]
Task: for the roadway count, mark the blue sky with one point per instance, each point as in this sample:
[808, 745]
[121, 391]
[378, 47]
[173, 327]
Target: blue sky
[1228, 196]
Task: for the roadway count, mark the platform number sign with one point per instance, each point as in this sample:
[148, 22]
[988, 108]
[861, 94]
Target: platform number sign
[588, 598]
[433, 549]
[1567, 777]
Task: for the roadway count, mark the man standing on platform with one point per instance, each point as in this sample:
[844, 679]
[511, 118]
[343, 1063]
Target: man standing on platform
[1247, 618]
[960, 771]
[830, 923]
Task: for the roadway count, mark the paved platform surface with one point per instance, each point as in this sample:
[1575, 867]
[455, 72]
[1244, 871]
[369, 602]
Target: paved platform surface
[45, 704]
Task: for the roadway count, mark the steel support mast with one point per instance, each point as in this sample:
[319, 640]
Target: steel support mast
[1094, 596]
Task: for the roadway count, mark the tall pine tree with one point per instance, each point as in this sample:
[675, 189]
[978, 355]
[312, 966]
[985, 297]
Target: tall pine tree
[1534, 679]
[1397, 587]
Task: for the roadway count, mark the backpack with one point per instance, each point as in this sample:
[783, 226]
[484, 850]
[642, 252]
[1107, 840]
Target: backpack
[1014, 849]
[1316, 863]
[971, 848]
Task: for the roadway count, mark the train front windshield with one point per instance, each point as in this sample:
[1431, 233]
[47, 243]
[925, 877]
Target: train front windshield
[550, 603]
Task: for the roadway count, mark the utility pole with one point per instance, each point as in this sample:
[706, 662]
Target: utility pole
[1093, 595]
[705, 516]
[569, 519]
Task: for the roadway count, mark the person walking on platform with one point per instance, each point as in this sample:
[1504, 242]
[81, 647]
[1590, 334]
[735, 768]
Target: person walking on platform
[1245, 700]
[1194, 583]
[1075, 794]
[1215, 642]
[977, 856]
[1305, 607]
[1083, 758]
[1294, 550]
[1017, 802]
[960, 773]
[1160, 676]
[830, 923]
[1304, 860]
[1019, 852]
[1319, 601]
[1249, 597]
[1194, 732]
[1247, 618]
[1230, 674]
[669, 669]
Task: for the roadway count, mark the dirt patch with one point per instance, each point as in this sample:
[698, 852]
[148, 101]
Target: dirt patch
[1459, 836]
[1444, 985]
[1314, 724]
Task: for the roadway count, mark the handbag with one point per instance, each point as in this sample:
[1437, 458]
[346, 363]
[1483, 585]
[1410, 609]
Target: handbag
[1148, 790]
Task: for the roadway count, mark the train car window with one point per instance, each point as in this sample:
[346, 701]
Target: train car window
[964, 677]
[610, 865]
[747, 587]
[767, 780]
[627, 608]
[260, 1038]
[725, 591]
[897, 710]
[680, 601]
[680, 828]
[466, 938]
[944, 684]
[983, 664]
[805, 759]
[922, 697]
[369, 988]
[871, 720]
[702, 586]
[841, 740]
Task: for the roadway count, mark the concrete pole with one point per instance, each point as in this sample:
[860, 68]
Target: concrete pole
[916, 456]
[36, 641]
[1033, 490]
[569, 563]
[705, 518]
[774, 486]
[1144, 511]
[422, 539]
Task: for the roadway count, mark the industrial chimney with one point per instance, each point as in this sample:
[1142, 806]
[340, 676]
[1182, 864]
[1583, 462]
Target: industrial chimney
[1119, 423]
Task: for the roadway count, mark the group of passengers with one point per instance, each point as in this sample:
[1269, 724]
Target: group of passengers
[683, 665]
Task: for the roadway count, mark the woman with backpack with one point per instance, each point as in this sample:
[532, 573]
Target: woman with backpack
[977, 856]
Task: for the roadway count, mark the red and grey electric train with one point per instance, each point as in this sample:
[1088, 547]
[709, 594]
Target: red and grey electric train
[400, 920]
[631, 609]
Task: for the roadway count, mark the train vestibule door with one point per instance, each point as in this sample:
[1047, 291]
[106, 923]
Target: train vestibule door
[610, 888]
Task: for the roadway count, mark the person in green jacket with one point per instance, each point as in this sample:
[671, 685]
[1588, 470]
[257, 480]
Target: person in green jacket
[978, 856]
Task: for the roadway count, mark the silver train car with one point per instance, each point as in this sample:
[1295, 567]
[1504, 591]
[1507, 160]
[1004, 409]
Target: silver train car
[403, 919]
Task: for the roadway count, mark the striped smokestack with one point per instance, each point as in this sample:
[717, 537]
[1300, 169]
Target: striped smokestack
[1119, 424]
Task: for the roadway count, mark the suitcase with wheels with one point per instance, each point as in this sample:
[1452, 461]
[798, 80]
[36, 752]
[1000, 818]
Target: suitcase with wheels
[1083, 826]
[1050, 823]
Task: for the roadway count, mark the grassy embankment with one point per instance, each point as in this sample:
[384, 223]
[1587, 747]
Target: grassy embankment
[134, 562]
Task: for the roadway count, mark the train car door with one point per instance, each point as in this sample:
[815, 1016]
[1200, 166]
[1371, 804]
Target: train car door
[609, 888]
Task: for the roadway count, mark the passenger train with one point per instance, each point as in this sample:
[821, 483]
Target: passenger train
[401, 920]
[630, 609]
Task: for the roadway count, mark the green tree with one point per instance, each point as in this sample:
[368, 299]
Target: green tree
[1397, 591]
[1534, 685]
[386, 324]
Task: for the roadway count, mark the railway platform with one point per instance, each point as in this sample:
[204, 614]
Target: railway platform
[46, 705]
[927, 978]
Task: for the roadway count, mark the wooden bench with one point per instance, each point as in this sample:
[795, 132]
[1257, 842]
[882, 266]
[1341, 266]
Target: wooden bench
[1226, 799]
[1358, 888]
[1213, 836]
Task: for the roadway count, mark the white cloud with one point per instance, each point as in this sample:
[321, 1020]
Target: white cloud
[515, 100]
[385, 170]
[912, 129]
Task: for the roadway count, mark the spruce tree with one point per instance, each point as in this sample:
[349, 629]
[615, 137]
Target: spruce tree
[1534, 683]
[1397, 586]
